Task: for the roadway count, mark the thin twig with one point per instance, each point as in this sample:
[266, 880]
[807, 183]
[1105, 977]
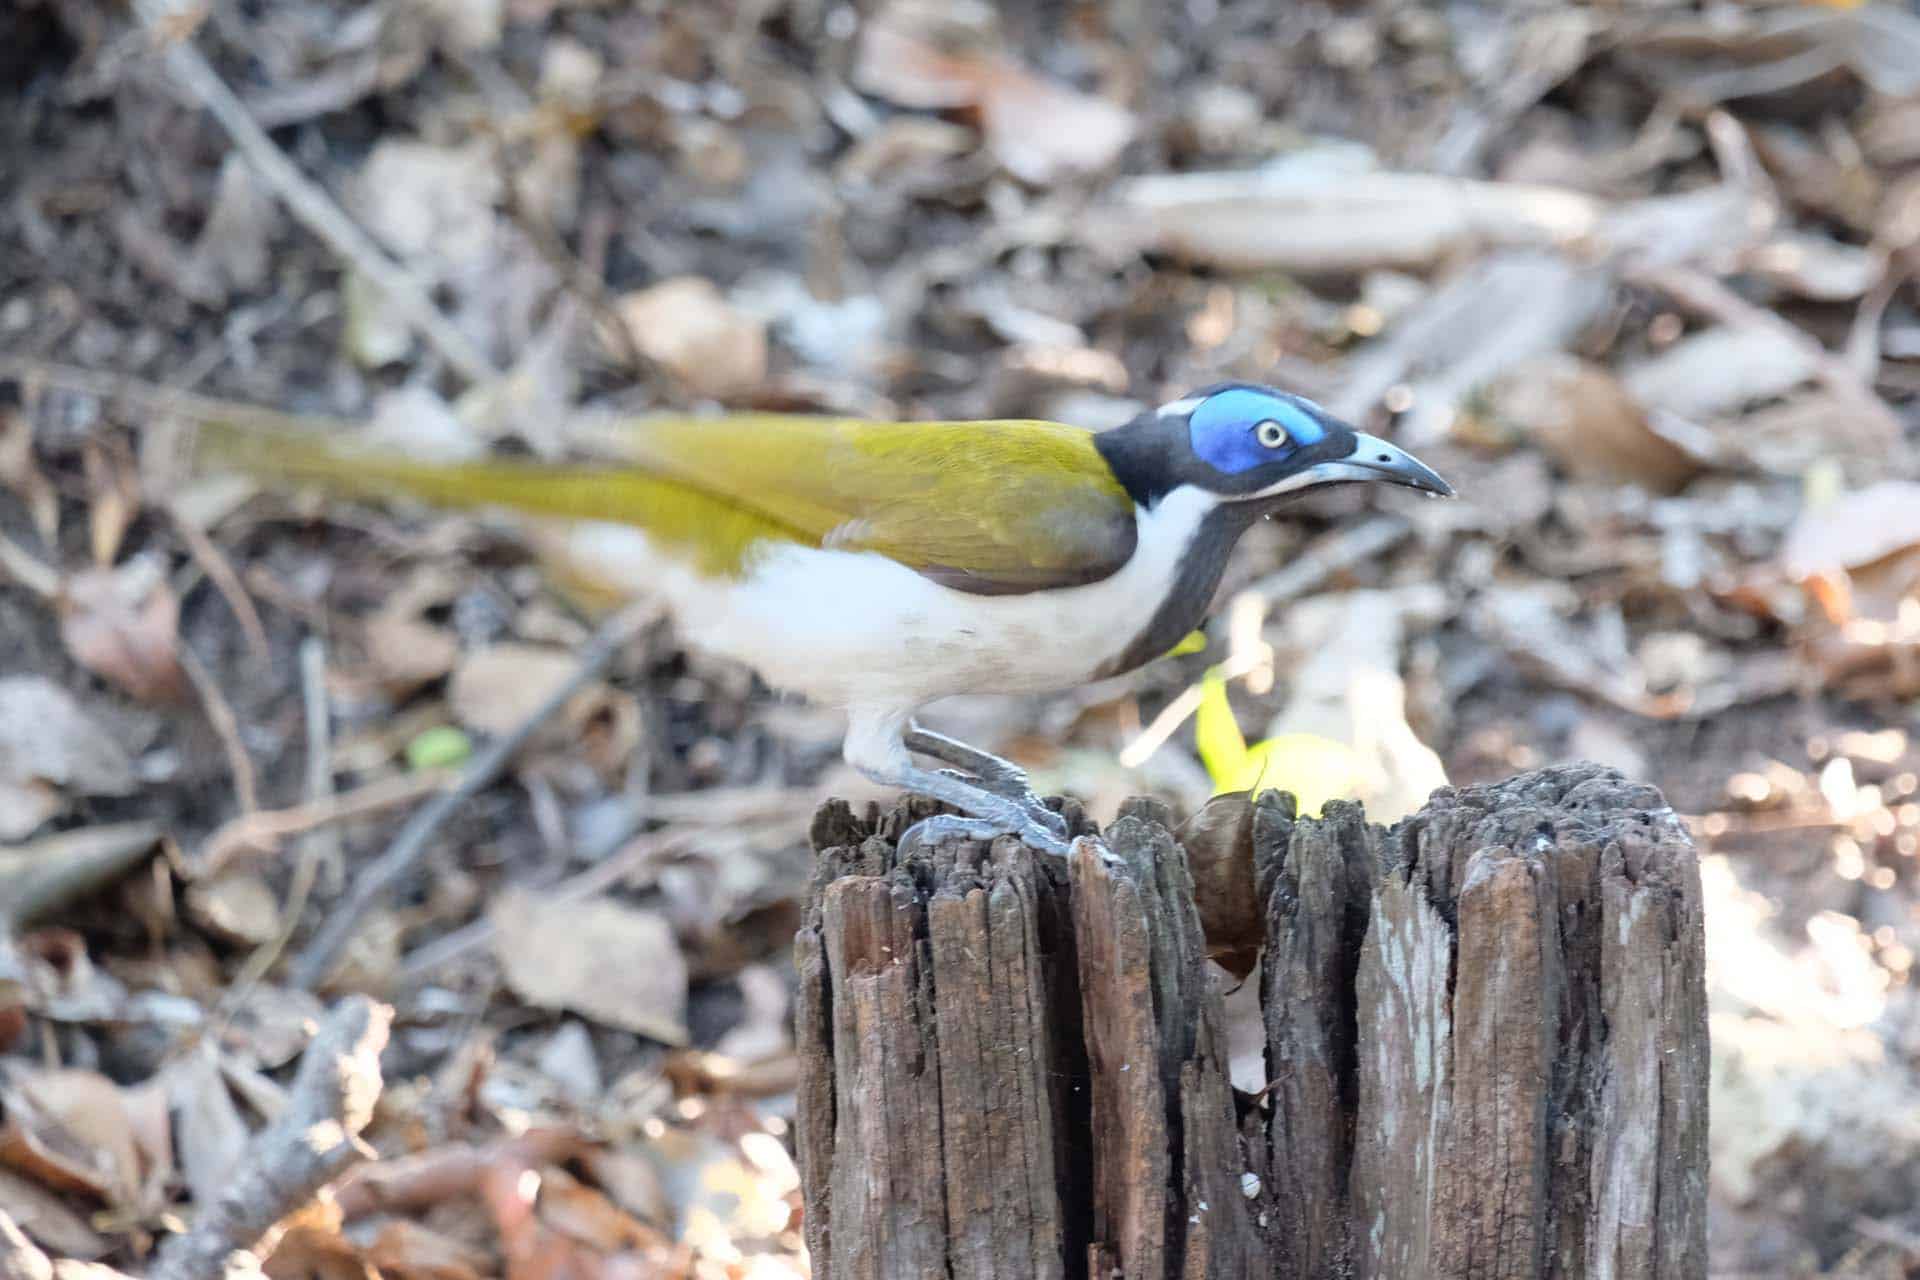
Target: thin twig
[26, 569]
[1330, 555]
[306, 199]
[225, 724]
[219, 570]
[322, 844]
[379, 878]
[1175, 713]
[263, 831]
[318, 843]
[311, 1143]
[426, 1178]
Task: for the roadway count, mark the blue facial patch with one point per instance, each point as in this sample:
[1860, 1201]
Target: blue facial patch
[1224, 428]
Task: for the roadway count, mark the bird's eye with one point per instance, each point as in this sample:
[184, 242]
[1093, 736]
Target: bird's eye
[1271, 434]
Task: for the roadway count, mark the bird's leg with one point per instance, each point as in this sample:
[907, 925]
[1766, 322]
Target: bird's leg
[1000, 776]
[875, 747]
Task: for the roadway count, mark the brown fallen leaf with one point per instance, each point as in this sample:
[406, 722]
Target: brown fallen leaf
[47, 1220]
[70, 1130]
[270, 1025]
[406, 1249]
[51, 750]
[113, 498]
[1579, 414]
[576, 1210]
[123, 624]
[496, 688]
[211, 1135]
[633, 1182]
[150, 1125]
[533, 1250]
[1798, 432]
[1720, 370]
[1219, 844]
[688, 326]
[308, 1245]
[237, 906]
[407, 653]
[1040, 131]
[448, 1171]
[608, 962]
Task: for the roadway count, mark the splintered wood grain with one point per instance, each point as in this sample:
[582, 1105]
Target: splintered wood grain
[931, 1093]
[1492, 1181]
[889, 1203]
[1167, 1157]
[1405, 1066]
[1132, 1158]
[1651, 1116]
[1316, 879]
[1532, 1038]
[995, 1049]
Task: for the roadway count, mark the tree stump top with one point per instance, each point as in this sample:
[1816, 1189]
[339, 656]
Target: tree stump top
[1485, 1043]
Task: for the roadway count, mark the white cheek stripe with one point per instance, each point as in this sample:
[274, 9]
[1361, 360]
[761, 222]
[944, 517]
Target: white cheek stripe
[1180, 408]
[1323, 473]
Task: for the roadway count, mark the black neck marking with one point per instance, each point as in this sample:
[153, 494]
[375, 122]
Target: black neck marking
[1150, 456]
[1201, 566]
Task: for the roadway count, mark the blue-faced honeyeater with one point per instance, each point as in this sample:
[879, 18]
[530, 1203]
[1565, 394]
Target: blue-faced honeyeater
[877, 566]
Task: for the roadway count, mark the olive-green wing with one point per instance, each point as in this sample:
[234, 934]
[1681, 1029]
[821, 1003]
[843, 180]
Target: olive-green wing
[995, 507]
[987, 507]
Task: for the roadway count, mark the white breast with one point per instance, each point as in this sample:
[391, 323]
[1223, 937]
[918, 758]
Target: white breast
[848, 627]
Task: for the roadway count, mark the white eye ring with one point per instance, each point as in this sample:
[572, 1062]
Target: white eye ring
[1271, 434]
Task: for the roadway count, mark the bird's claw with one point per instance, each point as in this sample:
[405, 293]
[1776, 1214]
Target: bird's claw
[1039, 815]
[927, 832]
[1018, 790]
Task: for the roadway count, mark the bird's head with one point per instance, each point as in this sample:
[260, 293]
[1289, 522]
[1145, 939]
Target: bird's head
[1245, 443]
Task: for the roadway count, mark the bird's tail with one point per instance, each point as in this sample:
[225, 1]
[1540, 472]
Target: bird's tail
[713, 533]
[332, 462]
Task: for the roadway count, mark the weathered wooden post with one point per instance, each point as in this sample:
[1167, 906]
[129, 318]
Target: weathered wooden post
[1486, 1042]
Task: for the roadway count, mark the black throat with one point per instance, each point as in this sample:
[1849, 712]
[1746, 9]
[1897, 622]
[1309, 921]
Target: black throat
[1185, 604]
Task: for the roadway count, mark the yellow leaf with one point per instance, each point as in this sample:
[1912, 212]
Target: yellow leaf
[1313, 768]
[1216, 734]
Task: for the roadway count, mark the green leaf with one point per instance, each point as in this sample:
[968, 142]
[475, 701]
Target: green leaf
[439, 748]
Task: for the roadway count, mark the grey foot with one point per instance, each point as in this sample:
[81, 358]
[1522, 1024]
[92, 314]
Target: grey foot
[927, 832]
[989, 772]
[993, 813]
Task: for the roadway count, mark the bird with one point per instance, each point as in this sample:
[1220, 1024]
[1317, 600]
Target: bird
[878, 566]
